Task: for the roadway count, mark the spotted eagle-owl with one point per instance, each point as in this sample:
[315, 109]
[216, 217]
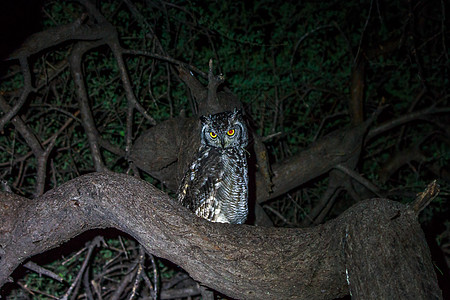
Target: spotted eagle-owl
[216, 185]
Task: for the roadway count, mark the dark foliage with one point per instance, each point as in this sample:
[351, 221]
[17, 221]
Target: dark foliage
[81, 82]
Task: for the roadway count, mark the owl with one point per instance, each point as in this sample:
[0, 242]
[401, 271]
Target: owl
[216, 185]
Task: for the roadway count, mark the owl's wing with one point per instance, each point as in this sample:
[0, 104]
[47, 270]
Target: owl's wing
[207, 205]
[199, 187]
[200, 196]
[184, 193]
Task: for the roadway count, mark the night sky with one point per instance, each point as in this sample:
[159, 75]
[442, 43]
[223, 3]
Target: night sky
[18, 19]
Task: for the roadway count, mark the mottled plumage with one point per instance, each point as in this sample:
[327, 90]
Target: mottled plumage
[216, 185]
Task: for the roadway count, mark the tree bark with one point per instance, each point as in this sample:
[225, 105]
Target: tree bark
[375, 249]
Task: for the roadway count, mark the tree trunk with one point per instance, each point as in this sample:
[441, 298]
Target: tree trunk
[375, 249]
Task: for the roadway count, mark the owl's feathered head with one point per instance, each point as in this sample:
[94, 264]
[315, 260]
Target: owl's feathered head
[224, 130]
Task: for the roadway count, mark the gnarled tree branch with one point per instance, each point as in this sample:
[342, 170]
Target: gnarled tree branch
[240, 261]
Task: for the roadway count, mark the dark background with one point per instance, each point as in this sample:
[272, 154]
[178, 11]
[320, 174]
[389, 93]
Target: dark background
[301, 70]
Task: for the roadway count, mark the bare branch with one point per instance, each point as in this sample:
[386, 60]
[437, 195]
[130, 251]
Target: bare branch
[424, 198]
[211, 105]
[88, 120]
[58, 35]
[117, 50]
[417, 115]
[372, 187]
[23, 129]
[42, 271]
[320, 157]
[76, 283]
[238, 260]
[27, 88]
[356, 100]
[33, 142]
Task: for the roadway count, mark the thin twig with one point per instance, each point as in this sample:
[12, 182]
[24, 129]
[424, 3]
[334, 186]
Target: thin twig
[34, 292]
[155, 277]
[420, 114]
[168, 59]
[42, 271]
[372, 187]
[118, 54]
[279, 215]
[94, 243]
[138, 277]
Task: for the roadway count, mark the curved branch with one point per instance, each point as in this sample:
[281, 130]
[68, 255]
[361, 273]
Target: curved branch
[58, 35]
[27, 88]
[321, 156]
[241, 261]
[114, 44]
[409, 117]
[112, 39]
[36, 146]
[88, 120]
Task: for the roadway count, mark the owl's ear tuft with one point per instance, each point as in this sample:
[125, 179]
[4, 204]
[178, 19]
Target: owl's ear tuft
[237, 113]
[205, 119]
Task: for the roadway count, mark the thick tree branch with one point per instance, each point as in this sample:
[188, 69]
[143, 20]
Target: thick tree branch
[57, 35]
[320, 157]
[399, 159]
[241, 261]
[423, 114]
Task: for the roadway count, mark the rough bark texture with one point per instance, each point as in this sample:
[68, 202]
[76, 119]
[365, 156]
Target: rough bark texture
[372, 241]
[166, 149]
[320, 157]
[392, 258]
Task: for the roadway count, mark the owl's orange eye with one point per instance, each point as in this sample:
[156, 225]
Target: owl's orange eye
[213, 134]
[230, 132]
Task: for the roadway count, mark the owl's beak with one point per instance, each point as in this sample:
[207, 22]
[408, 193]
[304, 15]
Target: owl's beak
[222, 142]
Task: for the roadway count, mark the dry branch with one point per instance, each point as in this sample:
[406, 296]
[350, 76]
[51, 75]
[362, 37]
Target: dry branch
[241, 261]
[80, 88]
[321, 156]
